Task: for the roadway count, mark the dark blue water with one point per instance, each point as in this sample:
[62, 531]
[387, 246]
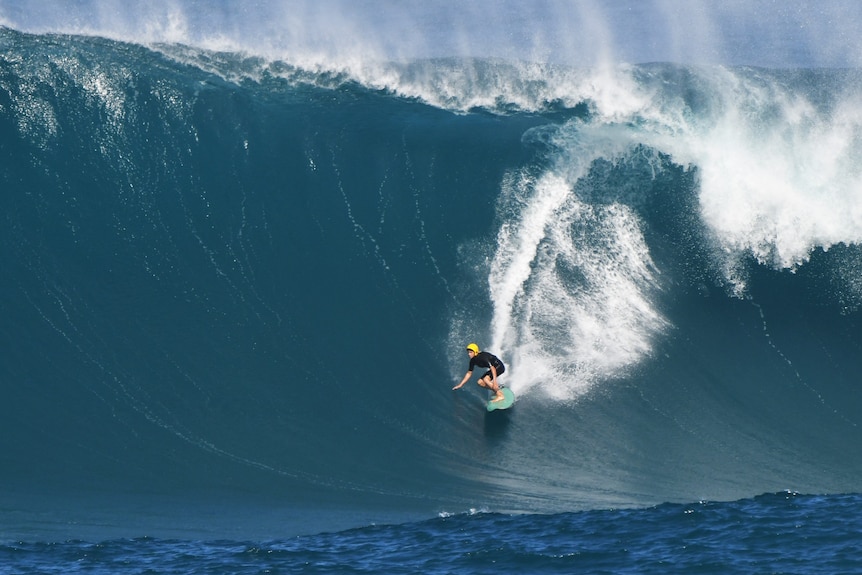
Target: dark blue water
[236, 294]
[780, 533]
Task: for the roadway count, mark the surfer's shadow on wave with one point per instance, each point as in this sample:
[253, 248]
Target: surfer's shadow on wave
[496, 425]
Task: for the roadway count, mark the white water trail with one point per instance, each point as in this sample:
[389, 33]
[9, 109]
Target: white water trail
[571, 283]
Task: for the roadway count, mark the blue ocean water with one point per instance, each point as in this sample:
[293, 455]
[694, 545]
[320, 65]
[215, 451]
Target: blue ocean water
[777, 533]
[236, 292]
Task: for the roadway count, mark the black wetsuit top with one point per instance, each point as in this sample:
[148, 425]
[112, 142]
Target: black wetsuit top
[485, 359]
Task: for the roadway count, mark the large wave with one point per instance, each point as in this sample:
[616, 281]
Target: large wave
[229, 273]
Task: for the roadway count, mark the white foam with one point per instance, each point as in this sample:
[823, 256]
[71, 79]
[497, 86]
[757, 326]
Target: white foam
[780, 175]
[572, 284]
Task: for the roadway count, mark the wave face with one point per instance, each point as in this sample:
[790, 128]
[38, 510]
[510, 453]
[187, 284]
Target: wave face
[232, 277]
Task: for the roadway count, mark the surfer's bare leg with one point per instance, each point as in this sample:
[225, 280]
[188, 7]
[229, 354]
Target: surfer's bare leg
[488, 383]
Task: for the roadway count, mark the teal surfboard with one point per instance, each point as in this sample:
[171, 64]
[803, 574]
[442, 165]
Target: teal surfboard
[504, 403]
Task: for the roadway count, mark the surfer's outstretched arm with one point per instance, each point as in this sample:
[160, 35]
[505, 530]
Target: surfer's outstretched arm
[463, 381]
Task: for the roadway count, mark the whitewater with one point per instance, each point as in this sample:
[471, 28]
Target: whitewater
[241, 268]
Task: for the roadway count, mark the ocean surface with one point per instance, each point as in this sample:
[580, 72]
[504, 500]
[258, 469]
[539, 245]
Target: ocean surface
[236, 292]
[777, 533]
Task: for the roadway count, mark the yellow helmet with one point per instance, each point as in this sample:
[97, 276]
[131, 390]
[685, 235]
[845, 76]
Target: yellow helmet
[473, 347]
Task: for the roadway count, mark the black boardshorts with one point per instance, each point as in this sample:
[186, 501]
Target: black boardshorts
[500, 371]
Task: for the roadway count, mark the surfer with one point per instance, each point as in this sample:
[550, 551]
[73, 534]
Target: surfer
[495, 369]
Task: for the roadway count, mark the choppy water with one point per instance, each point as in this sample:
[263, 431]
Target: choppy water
[779, 533]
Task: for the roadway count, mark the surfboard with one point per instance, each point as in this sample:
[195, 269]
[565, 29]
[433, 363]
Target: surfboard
[505, 403]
